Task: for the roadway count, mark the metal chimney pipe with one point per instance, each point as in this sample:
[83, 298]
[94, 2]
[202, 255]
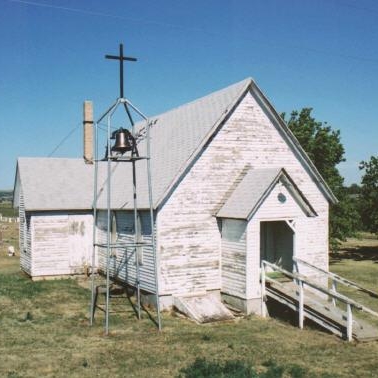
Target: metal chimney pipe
[88, 131]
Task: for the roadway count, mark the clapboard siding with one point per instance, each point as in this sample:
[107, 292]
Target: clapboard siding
[272, 208]
[122, 266]
[188, 232]
[61, 243]
[234, 251]
[310, 240]
[25, 237]
[50, 244]
[253, 259]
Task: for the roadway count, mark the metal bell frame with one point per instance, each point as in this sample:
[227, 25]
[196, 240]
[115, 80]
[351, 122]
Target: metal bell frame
[132, 158]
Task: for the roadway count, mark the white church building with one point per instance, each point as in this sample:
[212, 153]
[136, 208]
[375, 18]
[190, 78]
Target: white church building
[231, 186]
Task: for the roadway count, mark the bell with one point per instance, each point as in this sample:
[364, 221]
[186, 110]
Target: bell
[122, 143]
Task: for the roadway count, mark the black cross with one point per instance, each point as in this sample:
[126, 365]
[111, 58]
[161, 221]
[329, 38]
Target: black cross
[121, 59]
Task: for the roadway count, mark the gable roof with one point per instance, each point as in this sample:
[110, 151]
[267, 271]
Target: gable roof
[255, 187]
[295, 145]
[177, 138]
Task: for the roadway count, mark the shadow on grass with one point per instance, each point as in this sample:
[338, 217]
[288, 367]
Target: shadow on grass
[281, 312]
[132, 292]
[356, 254]
[121, 292]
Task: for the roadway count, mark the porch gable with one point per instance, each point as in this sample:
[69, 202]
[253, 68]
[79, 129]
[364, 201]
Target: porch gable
[265, 185]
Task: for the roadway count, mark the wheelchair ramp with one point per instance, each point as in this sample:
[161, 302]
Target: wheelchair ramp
[321, 311]
[204, 308]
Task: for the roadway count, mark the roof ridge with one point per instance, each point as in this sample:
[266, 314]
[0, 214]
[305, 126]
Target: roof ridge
[141, 125]
[48, 158]
[198, 99]
[241, 87]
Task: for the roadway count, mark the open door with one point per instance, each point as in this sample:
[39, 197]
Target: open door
[277, 244]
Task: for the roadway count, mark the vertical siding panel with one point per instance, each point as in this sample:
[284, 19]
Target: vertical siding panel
[234, 250]
[123, 263]
[24, 233]
[25, 238]
[253, 259]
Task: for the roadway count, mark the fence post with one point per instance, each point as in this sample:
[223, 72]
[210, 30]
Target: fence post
[263, 307]
[301, 304]
[334, 289]
[349, 322]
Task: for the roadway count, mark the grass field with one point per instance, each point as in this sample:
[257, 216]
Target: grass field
[45, 332]
[7, 210]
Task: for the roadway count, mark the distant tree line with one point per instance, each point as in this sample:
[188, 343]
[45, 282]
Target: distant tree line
[6, 195]
[357, 209]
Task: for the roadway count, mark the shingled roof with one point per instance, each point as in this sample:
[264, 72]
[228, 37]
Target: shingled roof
[255, 187]
[54, 184]
[177, 137]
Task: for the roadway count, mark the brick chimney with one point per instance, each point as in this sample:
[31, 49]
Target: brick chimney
[88, 131]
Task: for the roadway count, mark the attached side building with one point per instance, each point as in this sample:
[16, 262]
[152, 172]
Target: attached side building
[56, 217]
[231, 186]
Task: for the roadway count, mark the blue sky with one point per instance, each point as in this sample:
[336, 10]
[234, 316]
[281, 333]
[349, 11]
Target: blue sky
[321, 54]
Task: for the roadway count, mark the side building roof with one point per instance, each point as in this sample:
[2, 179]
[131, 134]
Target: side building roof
[54, 184]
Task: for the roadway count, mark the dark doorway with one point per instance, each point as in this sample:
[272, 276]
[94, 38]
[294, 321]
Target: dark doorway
[277, 244]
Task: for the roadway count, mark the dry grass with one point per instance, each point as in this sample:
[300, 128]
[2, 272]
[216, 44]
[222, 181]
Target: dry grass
[7, 210]
[358, 261]
[45, 332]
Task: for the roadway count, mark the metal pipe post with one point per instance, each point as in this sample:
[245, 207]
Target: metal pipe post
[136, 231]
[153, 225]
[136, 109]
[112, 107]
[263, 306]
[121, 71]
[108, 204]
[93, 304]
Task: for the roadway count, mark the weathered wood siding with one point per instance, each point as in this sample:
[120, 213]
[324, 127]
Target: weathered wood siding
[311, 233]
[25, 237]
[61, 243]
[234, 253]
[123, 264]
[188, 233]
[272, 208]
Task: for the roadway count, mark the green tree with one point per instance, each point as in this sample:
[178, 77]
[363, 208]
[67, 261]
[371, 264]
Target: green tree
[369, 195]
[353, 189]
[324, 147]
